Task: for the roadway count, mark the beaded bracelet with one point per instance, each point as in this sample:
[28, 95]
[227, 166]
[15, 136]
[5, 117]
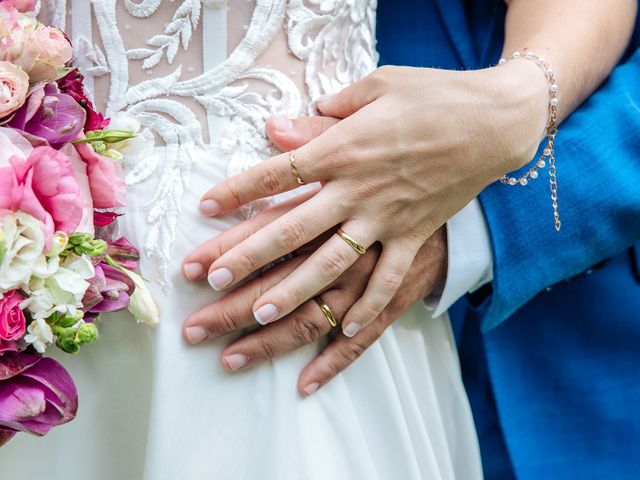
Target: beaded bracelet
[548, 154]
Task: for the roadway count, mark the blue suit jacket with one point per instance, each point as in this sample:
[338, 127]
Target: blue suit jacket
[554, 382]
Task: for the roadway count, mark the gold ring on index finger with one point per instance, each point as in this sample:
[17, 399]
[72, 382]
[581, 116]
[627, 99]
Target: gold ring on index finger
[294, 168]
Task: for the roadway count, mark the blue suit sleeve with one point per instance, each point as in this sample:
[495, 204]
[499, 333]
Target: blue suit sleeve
[598, 157]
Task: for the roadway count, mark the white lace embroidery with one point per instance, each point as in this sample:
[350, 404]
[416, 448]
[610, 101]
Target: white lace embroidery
[335, 38]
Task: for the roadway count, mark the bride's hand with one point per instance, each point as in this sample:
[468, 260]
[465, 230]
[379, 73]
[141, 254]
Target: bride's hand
[307, 323]
[416, 146]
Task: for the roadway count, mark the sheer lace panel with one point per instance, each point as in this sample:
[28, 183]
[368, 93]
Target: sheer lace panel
[195, 73]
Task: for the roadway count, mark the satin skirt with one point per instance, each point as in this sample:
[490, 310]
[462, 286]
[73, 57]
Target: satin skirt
[153, 407]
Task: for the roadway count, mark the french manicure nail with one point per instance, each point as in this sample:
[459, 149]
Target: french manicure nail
[196, 334]
[266, 313]
[220, 278]
[236, 361]
[193, 271]
[282, 124]
[311, 388]
[351, 329]
[323, 98]
[209, 207]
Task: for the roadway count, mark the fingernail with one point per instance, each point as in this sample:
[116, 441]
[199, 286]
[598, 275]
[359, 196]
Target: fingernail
[266, 313]
[323, 98]
[209, 207]
[311, 388]
[236, 361]
[282, 124]
[220, 278]
[351, 329]
[193, 271]
[196, 334]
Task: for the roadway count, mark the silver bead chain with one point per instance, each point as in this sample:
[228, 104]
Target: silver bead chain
[548, 154]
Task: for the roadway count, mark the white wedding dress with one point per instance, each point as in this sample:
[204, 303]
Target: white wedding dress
[201, 76]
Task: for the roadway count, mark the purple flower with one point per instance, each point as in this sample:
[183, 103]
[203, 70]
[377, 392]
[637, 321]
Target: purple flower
[49, 115]
[36, 394]
[109, 291]
[124, 253]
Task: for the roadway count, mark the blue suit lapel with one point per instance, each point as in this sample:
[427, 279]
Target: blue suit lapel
[453, 17]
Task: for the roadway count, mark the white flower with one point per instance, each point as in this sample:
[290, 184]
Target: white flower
[142, 305]
[40, 335]
[24, 240]
[62, 291]
[140, 145]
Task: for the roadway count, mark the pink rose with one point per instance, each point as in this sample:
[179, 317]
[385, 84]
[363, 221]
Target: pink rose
[106, 178]
[12, 321]
[20, 5]
[43, 186]
[14, 85]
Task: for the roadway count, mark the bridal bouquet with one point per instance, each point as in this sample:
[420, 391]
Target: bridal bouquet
[62, 189]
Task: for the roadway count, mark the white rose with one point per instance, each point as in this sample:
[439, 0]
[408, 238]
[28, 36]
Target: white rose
[61, 292]
[24, 241]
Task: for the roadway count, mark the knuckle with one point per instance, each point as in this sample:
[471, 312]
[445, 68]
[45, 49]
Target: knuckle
[264, 349]
[270, 181]
[353, 350]
[234, 191]
[246, 261]
[370, 309]
[391, 282]
[292, 235]
[332, 264]
[304, 330]
[226, 322]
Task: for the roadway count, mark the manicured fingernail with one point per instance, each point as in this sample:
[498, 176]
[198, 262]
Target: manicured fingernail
[266, 313]
[236, 361]
[323, 98]
[311, 388]
[220, 278]
[209, 207]
[193, 271]
[282, 124]
[351, 329]
[196, 334]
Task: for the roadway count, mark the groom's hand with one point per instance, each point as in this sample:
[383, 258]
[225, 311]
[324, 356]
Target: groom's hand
[307, 323]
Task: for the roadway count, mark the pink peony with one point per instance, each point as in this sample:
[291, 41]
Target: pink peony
[39, 50]
[36, 395]
[14, 85]
[43, 186]
[106, 178]
[12, 321]
[72, 85]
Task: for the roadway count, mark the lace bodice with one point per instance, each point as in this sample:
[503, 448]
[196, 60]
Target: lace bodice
[209, 72]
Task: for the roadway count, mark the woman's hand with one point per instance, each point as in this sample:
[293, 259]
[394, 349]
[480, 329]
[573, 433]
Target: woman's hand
[416, 146]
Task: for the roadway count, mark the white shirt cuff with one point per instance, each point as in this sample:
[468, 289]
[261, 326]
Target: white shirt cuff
[470, 257]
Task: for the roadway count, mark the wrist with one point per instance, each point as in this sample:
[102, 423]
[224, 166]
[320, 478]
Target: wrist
[521, 96]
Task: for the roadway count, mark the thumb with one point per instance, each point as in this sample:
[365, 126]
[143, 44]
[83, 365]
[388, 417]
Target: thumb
[289, 134]
[354, 97]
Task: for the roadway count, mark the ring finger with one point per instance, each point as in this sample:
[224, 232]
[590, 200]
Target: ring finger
[305, 325]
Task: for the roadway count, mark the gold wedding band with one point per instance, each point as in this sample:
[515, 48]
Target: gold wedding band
[294, 169]
[327, 312]
[352, 243]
